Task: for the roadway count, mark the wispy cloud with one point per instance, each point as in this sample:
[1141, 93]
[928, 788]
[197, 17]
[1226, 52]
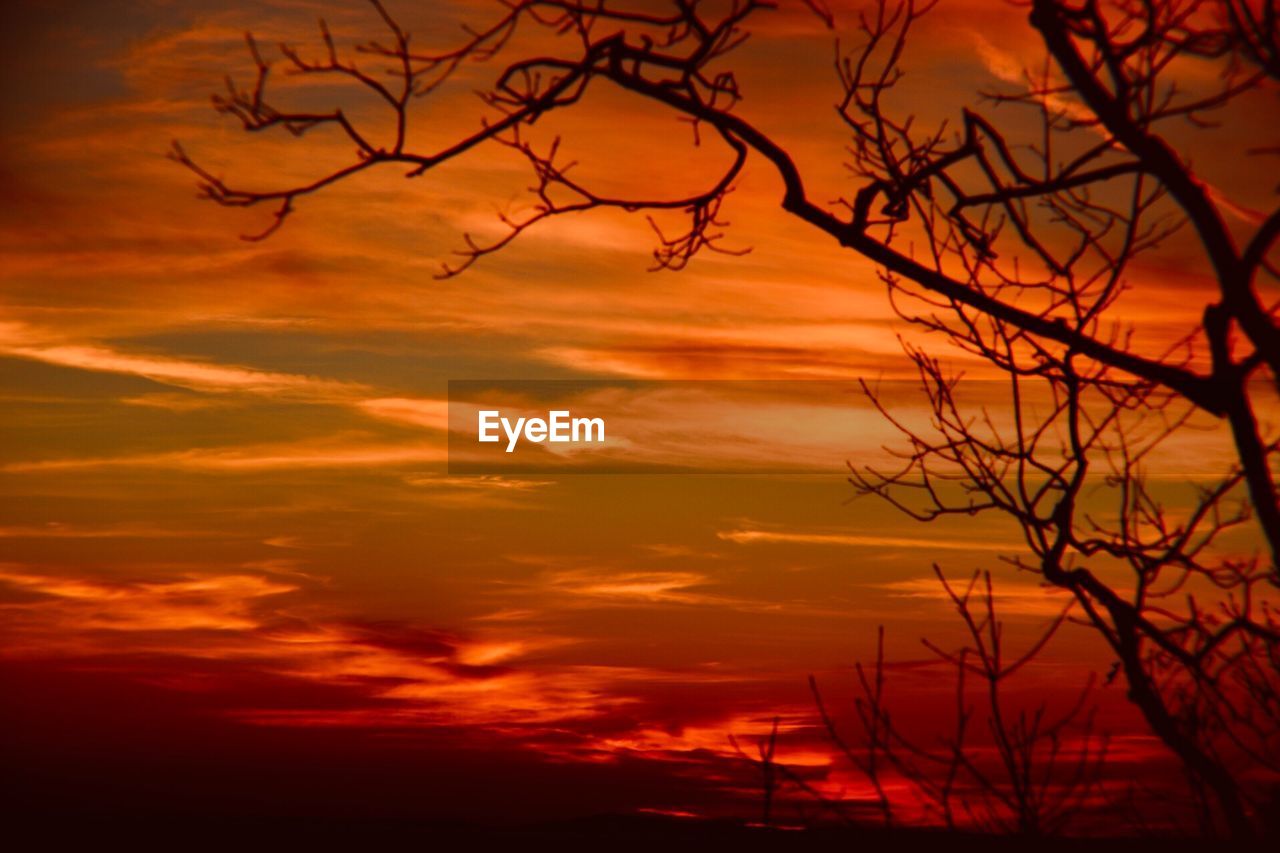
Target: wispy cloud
[410, 675]
[432, 414]
[216, 602]
[632, 587]
[312, 454]
[860, 540]
[1007, 67]
[1010, 599]
[59, 530]
[170, 370]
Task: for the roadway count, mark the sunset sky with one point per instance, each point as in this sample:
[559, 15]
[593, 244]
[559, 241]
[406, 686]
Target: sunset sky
[231, 551]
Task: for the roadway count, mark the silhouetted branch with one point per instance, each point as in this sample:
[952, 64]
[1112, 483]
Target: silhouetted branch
[1047, 766]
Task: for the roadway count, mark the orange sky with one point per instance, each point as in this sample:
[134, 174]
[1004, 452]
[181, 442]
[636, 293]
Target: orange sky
[225, 503]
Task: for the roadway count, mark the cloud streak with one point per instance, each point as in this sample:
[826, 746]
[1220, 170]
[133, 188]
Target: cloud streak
[266, 457]
[169, 370]
[859, 540]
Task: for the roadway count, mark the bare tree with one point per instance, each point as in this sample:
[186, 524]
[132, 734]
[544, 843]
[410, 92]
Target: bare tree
[1014, 248]
[1046, 766]
[1193, 627]
[1194, 631]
